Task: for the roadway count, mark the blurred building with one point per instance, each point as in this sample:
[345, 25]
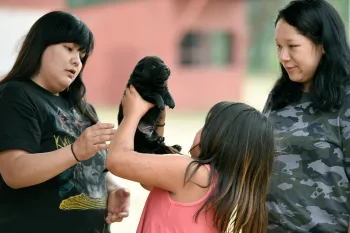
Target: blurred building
[204, 42]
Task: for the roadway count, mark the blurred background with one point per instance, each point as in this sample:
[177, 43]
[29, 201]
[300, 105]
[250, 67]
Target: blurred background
[216, 49]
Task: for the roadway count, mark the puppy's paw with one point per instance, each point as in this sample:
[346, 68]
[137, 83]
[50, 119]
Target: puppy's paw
[161, 106]
[171, 104]
[160, 140]
[169, 101]
[177, 147]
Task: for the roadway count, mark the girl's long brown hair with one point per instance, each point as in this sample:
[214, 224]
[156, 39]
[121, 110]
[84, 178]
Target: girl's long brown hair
[237, 141]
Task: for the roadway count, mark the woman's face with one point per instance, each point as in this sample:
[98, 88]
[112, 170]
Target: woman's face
[195, 149]
[60, 65]
[297, 53]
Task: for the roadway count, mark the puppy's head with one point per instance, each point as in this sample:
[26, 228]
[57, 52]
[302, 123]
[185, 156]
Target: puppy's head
[151, 69]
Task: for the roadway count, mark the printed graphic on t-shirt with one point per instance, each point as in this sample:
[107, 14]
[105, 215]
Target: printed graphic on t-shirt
[82, 186]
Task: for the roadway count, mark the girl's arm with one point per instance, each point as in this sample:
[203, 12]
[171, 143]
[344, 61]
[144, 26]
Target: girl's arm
[160, 132]
[163, 171]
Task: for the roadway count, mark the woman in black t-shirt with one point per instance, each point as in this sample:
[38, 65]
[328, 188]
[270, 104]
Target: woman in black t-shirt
[52, 147]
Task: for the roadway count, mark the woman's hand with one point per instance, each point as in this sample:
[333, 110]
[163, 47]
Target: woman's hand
[93, 140]
[133, 104]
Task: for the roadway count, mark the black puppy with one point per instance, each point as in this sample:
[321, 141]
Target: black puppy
[150, 79]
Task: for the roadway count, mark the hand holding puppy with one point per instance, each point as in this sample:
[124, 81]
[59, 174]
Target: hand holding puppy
[133, 104]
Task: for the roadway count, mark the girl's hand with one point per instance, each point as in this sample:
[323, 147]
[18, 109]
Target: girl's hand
[134, 104]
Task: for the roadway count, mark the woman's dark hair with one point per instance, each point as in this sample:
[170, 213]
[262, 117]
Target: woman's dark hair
[53, 28]
[320, 22]
[237, 141]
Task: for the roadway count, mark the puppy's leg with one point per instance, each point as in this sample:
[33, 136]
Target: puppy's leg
[154, 98]
[168, 100]
[164, 149]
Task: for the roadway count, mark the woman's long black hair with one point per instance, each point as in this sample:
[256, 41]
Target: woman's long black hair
[320, 22]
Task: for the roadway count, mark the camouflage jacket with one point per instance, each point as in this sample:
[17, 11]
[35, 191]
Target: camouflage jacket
[309, 187]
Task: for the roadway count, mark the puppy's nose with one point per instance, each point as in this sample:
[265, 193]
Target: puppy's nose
[167, 70]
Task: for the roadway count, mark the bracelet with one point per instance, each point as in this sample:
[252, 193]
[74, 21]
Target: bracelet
[162, 125]
[76, 158]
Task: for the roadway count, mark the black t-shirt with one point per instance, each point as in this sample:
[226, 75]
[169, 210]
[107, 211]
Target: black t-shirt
[34, 120]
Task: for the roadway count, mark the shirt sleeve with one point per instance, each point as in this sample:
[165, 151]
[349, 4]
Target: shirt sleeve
[19, 127]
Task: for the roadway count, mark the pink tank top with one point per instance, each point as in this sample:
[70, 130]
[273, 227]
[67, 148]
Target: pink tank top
[162, 214]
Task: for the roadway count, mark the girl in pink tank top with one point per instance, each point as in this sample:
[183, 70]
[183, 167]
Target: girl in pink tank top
[220, 188]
